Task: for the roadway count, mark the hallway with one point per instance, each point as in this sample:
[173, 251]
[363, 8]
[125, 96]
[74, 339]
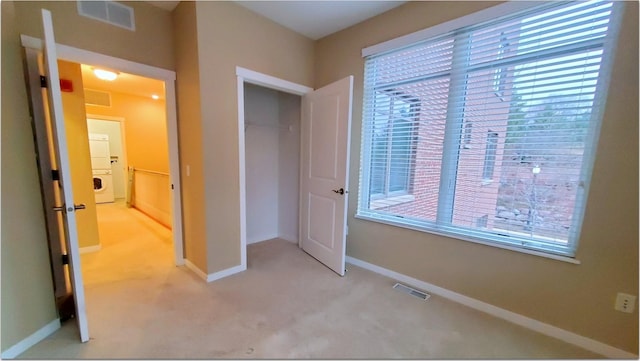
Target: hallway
[134, 247]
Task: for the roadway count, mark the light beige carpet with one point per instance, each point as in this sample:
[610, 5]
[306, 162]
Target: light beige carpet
[286, 305]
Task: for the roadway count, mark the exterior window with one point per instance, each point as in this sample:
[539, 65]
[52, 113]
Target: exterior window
[490, 156]
[502, 73]
[482, 221]
[468, 130]
[392, 145]
[521, 185]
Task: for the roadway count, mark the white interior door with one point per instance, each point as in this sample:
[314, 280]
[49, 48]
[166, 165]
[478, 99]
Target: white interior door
[324, 183]
[68, 208]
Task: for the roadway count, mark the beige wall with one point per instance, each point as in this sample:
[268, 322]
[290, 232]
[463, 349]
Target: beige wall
[27, 290]
[151, 43]
[578, 298]
[27, 302]
[229, 36]
[79, 155]
[190, 134]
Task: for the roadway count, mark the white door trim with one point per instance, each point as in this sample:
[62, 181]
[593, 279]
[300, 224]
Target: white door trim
[267, 81]
[77, 55]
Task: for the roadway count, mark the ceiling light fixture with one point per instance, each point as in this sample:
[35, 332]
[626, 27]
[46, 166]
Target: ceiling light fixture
[105, 74]
[155, 97]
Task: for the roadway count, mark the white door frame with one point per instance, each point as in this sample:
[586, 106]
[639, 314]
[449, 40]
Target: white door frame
[81, 56]
[267, 81]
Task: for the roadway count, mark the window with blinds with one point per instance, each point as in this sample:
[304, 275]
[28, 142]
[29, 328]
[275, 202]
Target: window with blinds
[488, 132]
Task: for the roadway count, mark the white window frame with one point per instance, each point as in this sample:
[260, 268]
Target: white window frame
[446, 212]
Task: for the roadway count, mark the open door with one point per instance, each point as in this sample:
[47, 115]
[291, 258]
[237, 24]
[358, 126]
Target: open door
[63, 180]
[324, 180]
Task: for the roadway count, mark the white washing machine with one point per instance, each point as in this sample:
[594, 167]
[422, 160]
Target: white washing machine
[103, 185]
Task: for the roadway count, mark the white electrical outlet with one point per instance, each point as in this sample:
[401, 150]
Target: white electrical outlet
[625, 303]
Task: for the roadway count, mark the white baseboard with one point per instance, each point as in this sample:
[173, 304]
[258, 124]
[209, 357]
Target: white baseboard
[195, 269]
[541, 327]
[225, 273]
[15, 350]
[289, 238]
[252, 240]
[90, 249]
[214, 276]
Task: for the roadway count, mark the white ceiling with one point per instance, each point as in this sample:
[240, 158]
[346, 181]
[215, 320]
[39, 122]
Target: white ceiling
[317, 19]
[313, 19]
[167, 5]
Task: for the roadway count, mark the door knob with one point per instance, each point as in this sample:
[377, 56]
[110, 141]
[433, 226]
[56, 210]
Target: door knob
[339, 191]
[75, 207]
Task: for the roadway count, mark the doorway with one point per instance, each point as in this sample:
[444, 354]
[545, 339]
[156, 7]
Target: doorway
[69, 249]
[260, 85]
[130, 114]
[81, 56]
[323, 153]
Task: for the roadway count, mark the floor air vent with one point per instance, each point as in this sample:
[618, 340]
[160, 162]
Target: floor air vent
[413, 292]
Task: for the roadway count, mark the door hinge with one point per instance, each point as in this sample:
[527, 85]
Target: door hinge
[55, 174]
[43, 81]
[65, 259]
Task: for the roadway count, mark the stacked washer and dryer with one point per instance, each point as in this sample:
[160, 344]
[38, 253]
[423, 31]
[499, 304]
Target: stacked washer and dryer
[101, 165]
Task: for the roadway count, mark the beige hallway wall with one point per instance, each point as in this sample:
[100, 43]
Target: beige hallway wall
[577, 298]
[145, 127]
[79, 155]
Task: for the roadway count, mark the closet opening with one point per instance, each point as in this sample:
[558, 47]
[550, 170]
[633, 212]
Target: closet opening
[269, 131]
[272, 163]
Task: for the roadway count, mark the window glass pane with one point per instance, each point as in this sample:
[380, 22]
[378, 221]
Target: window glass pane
[380, 144]
[401, 155]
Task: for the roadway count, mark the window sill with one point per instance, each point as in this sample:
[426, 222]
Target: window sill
[391, 201]
[472, 240]
[486, 182]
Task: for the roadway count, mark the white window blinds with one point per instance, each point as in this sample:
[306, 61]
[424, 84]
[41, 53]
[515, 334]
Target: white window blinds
[487, 132]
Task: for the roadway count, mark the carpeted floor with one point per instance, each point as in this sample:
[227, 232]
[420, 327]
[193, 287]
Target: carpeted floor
[286, 305]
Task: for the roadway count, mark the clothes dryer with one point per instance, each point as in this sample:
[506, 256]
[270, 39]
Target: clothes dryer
[103, 185]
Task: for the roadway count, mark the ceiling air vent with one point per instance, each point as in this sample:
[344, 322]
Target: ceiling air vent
[109, 12]
[96, 97]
